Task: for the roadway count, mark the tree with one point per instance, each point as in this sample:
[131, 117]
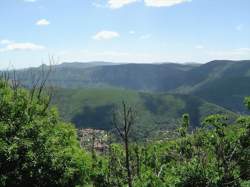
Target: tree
[123, 128]
[247, 102]
[36, 148]
[185, 125]
[224, 149]
[245, 144]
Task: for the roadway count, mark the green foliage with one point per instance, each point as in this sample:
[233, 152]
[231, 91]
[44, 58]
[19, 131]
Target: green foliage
[225, 149]
[36, 148]
[93, 108]
[214, 156]
[247, 102]
[245, 145]
[185, 125]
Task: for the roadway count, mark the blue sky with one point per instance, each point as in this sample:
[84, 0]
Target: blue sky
[140, 31]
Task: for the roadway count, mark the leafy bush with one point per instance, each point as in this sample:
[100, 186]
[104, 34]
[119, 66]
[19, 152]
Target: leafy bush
[36, 148]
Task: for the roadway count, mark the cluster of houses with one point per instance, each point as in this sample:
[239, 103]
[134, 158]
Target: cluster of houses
[93, 139]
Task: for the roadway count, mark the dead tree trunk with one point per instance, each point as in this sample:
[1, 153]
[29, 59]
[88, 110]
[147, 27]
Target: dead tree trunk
[128, 118]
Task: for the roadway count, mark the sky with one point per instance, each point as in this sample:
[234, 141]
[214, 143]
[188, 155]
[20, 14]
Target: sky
[137, 31]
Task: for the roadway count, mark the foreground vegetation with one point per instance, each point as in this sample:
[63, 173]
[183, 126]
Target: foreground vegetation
[37, 149]
[210, 157]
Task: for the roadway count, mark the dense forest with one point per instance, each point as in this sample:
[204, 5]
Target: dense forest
[213, 81]
[93, 108]
[37, 148]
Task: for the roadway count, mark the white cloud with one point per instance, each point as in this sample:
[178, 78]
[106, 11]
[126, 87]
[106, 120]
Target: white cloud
[164, 3]
[42, 22]
[106, 35]
[115, 4]
[21, 47]
[131, 32]
[4, 42]
[145, 36]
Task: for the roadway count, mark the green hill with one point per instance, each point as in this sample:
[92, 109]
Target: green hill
[94, 108]
[222, 82]
[149, 77]
[226, 85]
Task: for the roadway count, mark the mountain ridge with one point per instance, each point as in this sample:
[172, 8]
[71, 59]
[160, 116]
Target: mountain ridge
[223, 82]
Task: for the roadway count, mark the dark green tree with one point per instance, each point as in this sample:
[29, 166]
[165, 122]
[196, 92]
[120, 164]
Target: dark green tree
[224, 149]
[36, 148]
[183, 130]
[245, 144]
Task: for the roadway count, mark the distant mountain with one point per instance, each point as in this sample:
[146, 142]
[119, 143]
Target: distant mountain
[226, 84]
[82, 64]
[222, 82]
[148, 77]
[94, 108]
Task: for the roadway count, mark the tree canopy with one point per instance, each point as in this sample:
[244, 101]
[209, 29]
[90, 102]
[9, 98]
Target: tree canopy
[36, 148]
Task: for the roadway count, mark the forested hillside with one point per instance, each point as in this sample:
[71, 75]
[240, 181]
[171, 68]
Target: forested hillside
[225, 83]
[229, 78]
[93, 108]
[155, 77]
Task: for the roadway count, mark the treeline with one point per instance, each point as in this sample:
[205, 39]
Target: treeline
[38, 149]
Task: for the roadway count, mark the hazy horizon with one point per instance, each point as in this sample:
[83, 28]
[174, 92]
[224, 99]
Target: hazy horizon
[100, 63]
